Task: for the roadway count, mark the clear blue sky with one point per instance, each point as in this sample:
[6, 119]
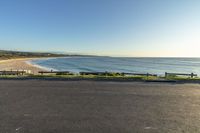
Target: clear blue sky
[102, 27]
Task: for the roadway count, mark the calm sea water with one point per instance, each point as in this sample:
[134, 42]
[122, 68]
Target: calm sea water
[101, 64]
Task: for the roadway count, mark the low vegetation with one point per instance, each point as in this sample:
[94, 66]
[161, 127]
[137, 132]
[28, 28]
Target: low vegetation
[181, 78]
[16, 54]
[103, 76]
[111, 76]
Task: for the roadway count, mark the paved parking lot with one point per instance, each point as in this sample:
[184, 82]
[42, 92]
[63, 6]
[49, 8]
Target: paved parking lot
[38, 106]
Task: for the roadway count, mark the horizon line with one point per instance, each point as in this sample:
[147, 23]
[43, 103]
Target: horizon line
[100, 55]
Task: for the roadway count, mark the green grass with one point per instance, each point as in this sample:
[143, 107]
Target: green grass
[112, 76]
[88, 77]
[182, 78]
[12, 76]
[77, 76]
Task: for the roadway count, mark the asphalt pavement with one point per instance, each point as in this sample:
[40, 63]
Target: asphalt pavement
[38, 106]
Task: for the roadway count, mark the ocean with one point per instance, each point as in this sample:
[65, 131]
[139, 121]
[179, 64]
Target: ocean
[122, 64]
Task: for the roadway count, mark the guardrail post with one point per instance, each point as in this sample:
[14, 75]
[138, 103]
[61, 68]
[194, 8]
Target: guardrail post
[147, 75]
[192, 75]
[165, 74]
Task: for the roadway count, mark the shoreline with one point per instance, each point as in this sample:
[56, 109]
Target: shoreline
[26, 65]
[29, 62]
[32, 68]
[21, 64]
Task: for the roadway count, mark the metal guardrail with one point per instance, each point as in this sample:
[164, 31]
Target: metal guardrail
[54, 72]
[22, 72]
[104, 73]
[181, 74]
[93, 73]
[140, 74]
[12, 72]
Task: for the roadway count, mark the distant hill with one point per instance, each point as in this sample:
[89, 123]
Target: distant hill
[17, 54]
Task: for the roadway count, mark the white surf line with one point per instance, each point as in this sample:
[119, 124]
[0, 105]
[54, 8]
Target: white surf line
[29, 62]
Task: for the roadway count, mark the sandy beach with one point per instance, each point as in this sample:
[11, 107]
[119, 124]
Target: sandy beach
[19, 64]
[42, 106]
